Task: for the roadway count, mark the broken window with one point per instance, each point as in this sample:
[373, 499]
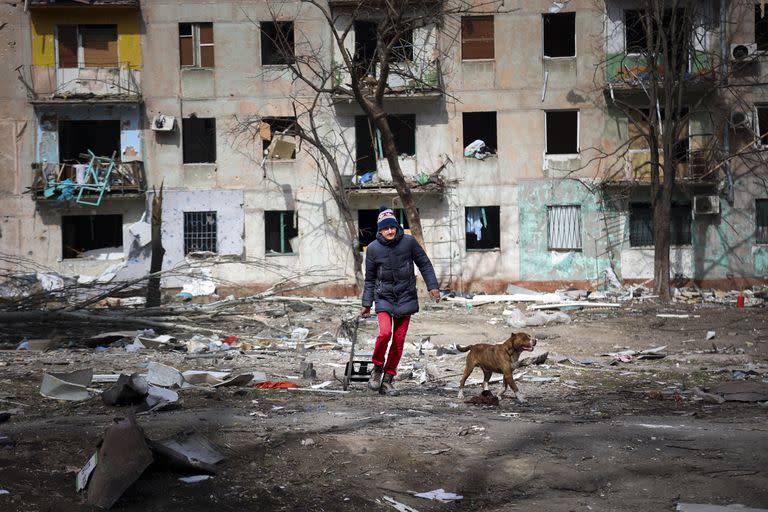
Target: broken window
[199, 232]
[562, 132]
[280, 228]
[196, 45]
[761, 27]
[278, 137]
[76, 137]
[761, 221]
[369, 145]
[483, 227]
[80, 233]
[199, 139]
[480, 126]
[636, 37]
[367, 225]
[477, 39]
[560, 34]
[366, 38]
[762, 124]
[87, 46]
[641, 225]
[564, 231]
[277, 45]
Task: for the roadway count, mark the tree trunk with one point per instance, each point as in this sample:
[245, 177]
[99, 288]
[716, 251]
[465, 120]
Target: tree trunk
[158, 251]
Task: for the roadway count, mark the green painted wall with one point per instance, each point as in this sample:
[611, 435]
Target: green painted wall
[537, 262]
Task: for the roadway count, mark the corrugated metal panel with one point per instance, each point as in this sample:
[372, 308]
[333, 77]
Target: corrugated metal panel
[564, 227]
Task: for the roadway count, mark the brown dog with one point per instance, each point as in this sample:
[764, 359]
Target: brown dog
[499, 358]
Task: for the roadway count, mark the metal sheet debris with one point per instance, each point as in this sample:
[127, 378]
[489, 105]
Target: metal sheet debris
[67, 386]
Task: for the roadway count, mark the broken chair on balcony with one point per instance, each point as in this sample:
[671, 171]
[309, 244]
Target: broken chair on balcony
[96, 178]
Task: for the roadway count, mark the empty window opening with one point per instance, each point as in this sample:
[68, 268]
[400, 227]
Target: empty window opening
[278, 137]
[761, 28]
[369, 144]
[636, 37]
[762, 124]
[199, 139]
[479, 126]
[277, 45]
[367, 228]
[280, 228]
[80, 233]
[761, 221]
[77, 137]
[483, 227]
[477, 38]
[87, 46]
[366, 39]
[562, 132]
[199, 232]
[196, 45]
[564, 231]
[639, 128]
[560, 34]
[641, 225]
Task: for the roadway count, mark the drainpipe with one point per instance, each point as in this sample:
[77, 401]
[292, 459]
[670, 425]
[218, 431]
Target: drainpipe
[724, 56]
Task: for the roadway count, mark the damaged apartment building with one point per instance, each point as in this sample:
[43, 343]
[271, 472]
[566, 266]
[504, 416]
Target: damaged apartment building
[503, 137]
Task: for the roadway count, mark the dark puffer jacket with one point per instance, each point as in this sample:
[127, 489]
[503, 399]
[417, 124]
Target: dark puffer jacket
[389, 274]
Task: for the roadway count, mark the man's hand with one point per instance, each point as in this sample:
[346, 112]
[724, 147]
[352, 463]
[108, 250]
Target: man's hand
[435, 294]
[365, 312]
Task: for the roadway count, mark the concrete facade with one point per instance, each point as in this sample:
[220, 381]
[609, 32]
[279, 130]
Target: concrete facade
[515, 191]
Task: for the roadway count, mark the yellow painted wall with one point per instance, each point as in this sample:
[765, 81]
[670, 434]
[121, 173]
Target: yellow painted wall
[44, 29]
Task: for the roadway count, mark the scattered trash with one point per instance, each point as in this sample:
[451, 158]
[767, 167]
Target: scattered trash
[517, 319]
[194, 479]
[269, 384]
[710, 335]
[135, 346]
[709, 398]
[400, 507]
[307, 442]
[84, 475]
[439, 495]
[627, 356]
[128, 390]
[530, 361]
[186, 452]
[121, 459]
[67, 386]
[163, 375]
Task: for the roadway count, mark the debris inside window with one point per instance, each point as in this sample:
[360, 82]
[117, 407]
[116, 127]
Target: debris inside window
[82, 233]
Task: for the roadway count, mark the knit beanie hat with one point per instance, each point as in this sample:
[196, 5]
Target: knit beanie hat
[386, 219]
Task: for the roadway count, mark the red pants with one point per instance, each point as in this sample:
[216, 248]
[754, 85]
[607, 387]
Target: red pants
[398, 340]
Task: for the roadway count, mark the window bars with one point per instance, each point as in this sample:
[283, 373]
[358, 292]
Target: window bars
[564, 227]
[199, 232]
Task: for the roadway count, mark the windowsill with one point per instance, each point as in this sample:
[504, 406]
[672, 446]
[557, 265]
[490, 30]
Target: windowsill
[492, 249]
[567, 57]
[278, 254]
[561, 156]
[279, 161]
[492, 156]
[492, 59]
[277, 66]
[671, 246]
[200, 163]
[197, 68]
[565, 250]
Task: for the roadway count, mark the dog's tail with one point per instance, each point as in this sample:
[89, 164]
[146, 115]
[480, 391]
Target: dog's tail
[463, 349]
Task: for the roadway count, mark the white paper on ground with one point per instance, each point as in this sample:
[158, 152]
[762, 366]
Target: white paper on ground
[439, 494]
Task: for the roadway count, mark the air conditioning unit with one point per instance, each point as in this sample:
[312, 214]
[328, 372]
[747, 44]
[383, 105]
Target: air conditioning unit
[743, 51]
[163, 123]
[741, 119]
[706, 205]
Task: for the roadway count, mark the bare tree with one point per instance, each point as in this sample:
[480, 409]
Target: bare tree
[671, 70]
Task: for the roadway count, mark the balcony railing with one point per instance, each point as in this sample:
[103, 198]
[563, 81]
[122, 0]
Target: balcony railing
[412, 78]
[48, 84]
[69, 183]
[42, 4]
[637, 168]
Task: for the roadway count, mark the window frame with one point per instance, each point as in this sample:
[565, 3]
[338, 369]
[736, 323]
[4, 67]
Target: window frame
[761, 133]
[188, 237]
[490, 41]
[80, 30]
[281, 120]
[465, 141]
[284, 60]
[561, 217]
[761, 36]
[116, 218]
[496, 233]
[761, 230]
[544, 17]
[546, 131]
[187, 151]
[284, 237]
[197, 45]
[677, 228]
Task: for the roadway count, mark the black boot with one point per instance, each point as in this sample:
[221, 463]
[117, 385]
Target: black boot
[387, 386]
[374, 382]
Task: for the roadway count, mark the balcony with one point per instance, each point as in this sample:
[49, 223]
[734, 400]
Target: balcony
[50, 85]
[370, 184]
[697, 170]
[88, 184]
[409, 79]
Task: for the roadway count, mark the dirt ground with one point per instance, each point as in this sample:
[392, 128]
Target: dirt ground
[591, 436]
